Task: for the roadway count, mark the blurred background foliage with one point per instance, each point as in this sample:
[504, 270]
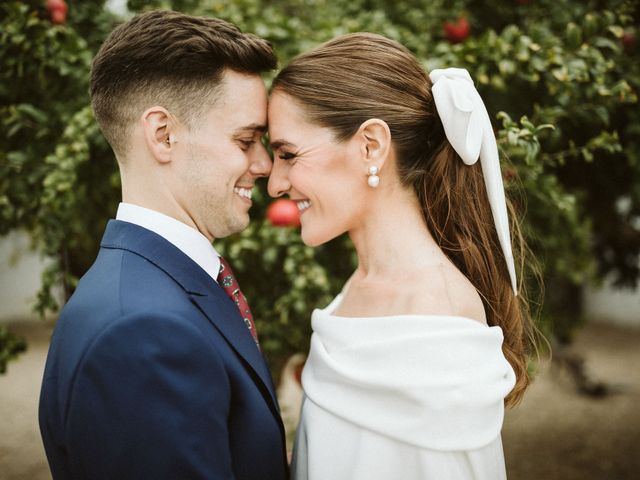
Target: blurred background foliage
[560, 79]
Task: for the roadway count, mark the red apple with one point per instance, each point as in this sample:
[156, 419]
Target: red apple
[628, 40]
[458, 31]
[283, 213]
[57, 11]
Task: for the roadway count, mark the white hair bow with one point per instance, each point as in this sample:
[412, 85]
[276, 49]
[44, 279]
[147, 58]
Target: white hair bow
[468, 128]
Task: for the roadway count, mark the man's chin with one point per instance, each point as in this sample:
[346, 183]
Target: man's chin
[238, 225]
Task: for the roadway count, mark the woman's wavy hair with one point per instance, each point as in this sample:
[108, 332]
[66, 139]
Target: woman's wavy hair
[359, 76]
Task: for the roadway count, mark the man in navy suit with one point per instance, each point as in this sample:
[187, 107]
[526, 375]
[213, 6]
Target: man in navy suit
[154, 370]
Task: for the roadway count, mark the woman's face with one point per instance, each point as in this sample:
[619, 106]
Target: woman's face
[325, 178]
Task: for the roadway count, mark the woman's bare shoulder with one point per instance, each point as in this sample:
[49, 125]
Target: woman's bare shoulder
[444, 290]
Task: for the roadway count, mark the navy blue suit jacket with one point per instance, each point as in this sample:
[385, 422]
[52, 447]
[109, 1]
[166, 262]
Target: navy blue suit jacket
[152, 374]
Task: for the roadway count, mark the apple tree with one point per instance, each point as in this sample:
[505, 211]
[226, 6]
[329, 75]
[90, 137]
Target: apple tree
[573, 65]
[57, 174]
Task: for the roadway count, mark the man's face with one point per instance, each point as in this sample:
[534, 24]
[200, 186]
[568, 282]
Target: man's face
[219, 160]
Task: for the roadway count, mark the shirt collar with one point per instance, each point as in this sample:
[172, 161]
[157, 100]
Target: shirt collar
[189, 240]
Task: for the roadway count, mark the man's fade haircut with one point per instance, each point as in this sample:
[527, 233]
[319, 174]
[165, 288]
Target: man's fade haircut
[170, 59]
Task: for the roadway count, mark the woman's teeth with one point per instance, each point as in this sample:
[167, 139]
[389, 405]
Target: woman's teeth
[303, 205]
[243, 192]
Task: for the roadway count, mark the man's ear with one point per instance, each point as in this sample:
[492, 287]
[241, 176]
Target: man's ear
[159, 132]
[374, 139]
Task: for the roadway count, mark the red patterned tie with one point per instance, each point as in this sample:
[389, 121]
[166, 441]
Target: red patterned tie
[228, 282]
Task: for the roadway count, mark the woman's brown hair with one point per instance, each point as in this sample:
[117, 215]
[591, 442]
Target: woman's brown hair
[359, 76]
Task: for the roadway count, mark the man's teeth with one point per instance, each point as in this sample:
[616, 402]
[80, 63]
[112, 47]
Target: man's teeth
[243, 192]
[303, 204]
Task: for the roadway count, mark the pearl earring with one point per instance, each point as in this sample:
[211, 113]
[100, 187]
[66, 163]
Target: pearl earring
[373, 179]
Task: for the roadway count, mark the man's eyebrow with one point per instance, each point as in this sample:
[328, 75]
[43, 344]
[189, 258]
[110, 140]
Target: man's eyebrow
[276, 144]
[253, 127]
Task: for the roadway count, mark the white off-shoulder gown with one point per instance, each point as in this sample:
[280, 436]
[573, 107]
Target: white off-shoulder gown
[402, 397]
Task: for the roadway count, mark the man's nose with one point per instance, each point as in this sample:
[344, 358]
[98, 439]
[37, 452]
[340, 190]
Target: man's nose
[278, 182]
[261, 162]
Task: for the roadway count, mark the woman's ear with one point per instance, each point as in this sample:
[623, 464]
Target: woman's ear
[159, 126]
[375, 142]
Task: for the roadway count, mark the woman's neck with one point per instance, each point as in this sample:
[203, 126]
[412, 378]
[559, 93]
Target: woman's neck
[393, 238]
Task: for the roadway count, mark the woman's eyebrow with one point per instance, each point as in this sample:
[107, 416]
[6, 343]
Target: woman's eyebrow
[280, 143]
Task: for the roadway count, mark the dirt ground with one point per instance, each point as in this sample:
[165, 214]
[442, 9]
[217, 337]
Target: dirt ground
[555, 434]
[559, 434]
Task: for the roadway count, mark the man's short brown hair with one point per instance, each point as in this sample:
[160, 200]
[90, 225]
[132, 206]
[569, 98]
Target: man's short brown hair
[169, 59]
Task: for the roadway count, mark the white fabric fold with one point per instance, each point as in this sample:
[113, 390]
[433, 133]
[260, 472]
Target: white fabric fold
[468, 128]
[434, 382]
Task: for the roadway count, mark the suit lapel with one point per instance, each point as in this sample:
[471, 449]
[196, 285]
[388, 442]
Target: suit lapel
[225, 316]
[204, 292]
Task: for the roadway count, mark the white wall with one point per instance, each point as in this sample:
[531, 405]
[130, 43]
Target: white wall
[20, 271]
[605, 304]
[21, 268]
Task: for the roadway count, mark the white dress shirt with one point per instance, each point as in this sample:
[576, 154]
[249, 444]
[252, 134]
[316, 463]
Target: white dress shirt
[189, 240]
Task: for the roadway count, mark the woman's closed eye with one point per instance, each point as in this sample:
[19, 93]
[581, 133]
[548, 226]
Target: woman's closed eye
[287, 155]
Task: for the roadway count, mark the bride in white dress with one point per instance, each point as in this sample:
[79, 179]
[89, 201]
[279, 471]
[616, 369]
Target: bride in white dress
[410, 366]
